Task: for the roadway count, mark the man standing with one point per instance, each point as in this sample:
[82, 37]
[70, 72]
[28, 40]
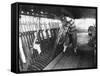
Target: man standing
[68, 34]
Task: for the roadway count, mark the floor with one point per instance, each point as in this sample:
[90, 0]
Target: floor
[72, 60]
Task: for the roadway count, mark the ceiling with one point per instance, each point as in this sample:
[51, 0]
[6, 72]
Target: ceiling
[75, 12]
